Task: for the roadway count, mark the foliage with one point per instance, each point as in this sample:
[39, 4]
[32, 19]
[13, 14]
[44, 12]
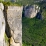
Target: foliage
[6, 38]
[42, 5]
[34, 32]
[12, 4]
[22, 2]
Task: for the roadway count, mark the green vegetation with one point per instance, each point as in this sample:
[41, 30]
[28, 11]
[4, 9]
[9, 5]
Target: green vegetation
[11, 4]
[1, 0]
[34, 30]
[6, 39]
[42, 5]
[18, 3]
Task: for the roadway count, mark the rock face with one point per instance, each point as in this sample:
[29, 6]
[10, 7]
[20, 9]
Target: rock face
[2, 25]
[31, 11]
[14, 18]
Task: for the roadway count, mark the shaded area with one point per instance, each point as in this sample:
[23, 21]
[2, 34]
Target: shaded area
[23, 11]
[39, 16]
[7, 29]
[7, 26]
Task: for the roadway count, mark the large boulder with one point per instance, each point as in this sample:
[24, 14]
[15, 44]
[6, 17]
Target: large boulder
[2, 24]
[14, 18]
[31, 11]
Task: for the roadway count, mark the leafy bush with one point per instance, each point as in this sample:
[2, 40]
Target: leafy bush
[34, 32]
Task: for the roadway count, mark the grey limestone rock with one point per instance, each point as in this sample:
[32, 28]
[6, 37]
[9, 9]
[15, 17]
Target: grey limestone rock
[2, 25]
[14, 18]
[31, 11]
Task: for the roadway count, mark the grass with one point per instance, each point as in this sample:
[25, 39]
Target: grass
[6, 39]
[18, 3]
[11, 3]
[34, 31]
